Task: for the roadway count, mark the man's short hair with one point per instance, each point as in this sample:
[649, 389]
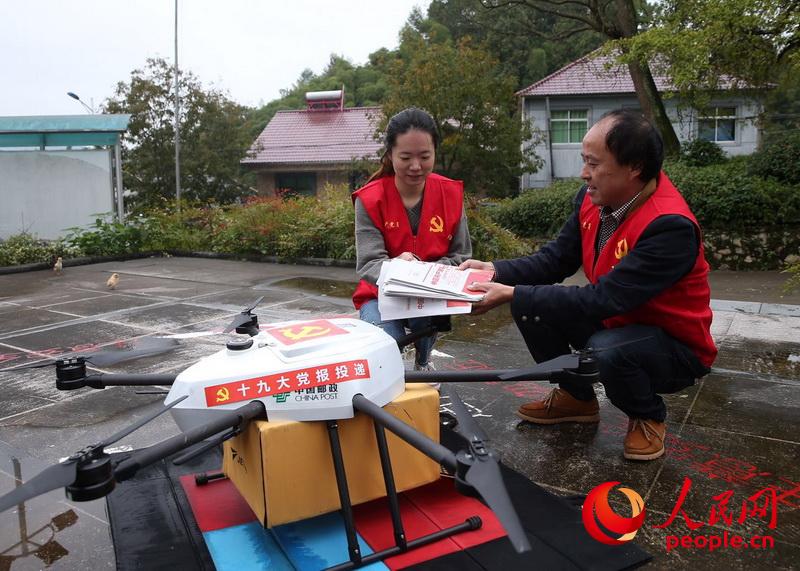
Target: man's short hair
[635, 142]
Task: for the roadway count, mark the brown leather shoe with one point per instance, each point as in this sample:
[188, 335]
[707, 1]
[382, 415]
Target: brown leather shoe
[645, 439]
[559, 406]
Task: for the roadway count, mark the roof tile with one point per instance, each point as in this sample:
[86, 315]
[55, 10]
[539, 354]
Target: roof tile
[317, 137]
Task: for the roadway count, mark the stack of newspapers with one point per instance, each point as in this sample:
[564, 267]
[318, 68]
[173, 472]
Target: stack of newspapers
[417, 289]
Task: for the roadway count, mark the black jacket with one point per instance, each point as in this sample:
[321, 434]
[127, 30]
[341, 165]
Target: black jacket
[664, 253]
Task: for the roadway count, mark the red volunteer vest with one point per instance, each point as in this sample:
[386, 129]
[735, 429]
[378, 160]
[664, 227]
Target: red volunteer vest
[441, 212]
[682, 310]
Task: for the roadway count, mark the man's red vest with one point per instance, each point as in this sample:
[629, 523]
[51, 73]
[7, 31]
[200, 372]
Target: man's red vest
[442, 206]
[682, 310]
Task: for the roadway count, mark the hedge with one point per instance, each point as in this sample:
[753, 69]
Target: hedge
[722, 197]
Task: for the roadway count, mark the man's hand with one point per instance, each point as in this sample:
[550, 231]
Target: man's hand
[477, 265]
[496, 294]
[407, 256]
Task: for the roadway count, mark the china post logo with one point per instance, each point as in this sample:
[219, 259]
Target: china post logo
[596, 510]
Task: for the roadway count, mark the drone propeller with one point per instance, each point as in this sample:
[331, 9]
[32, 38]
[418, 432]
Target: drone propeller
[113, 354]
[65, 473]
[483, 473]
[244, 318]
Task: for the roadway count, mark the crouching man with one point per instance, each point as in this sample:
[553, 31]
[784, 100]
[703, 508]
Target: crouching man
[646, 309]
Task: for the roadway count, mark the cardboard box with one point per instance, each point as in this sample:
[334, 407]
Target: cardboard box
[284, 469]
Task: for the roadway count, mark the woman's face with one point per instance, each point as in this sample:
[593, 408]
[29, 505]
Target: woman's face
[412, 157]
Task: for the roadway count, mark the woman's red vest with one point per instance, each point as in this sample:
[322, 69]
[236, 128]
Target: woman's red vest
[682, 310]
[442, 206]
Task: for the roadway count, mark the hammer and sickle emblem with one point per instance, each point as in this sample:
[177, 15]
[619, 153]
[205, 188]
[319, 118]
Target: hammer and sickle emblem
[621, 250]
[305, 332]
[223, 395]
[587, 225]
[437, 224]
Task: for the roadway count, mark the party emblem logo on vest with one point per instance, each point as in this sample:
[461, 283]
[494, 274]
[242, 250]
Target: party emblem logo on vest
[621, 250]
[389, 224]
[437, 224]
[587, 225]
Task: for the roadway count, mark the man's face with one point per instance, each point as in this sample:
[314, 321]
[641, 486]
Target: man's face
[609, 183]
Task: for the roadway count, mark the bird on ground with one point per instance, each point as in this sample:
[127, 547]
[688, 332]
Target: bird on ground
[113, 281]
[58, 266]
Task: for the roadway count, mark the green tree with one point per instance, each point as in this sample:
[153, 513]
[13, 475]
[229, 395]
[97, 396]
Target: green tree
[614, 20]
[528, 44]
[703, 45]
[473, 104]
[213, 139]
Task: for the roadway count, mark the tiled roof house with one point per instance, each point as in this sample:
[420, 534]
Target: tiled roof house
[305, 149]
[562, 106]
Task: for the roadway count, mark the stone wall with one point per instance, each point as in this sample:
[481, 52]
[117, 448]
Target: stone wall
[768, 249]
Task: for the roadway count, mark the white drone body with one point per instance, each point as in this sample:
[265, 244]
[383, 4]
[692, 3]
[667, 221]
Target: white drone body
[300, 370]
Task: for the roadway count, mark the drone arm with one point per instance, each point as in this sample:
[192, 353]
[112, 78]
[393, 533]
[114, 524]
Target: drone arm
[128, 467]
[103, 380]
[418, 440]
[71, 374]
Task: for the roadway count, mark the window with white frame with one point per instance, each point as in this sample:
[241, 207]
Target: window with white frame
[568, 125]
[719, 125]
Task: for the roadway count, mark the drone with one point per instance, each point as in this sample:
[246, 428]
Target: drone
[214, 399]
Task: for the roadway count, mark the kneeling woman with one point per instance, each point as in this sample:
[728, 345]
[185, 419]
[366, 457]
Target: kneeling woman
[406, 211]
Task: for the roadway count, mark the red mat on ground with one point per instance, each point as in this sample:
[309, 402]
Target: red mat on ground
[425, 510]
[217, 504]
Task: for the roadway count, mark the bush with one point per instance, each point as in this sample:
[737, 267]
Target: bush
[190, 230]
[538, 213]
[778, 158]
[726, 197]
[296, 227]
[490, 241]
[26, 249]
[107, 238]
[702, 153]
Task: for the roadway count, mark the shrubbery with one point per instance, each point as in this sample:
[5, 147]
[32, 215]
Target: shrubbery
[26, 249]
[538, 213]
[726, 197]
[779, 158]
[722, 196]
[702, 153]
[288, 228]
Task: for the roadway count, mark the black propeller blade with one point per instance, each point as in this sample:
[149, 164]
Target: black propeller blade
[57, 476]
[113, 354]
[66, 472]
[244, 317]
[483, 473]
[569, 361]
[140, 423]
[142, 347]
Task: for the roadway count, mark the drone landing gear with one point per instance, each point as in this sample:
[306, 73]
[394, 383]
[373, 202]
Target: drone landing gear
[401, 543]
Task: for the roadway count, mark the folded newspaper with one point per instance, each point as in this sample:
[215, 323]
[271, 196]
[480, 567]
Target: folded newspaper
[417, 289]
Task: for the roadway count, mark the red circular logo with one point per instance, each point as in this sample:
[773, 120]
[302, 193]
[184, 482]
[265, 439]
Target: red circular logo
[597, 509]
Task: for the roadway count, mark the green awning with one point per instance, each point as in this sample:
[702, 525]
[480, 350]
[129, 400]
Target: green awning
[62, 130]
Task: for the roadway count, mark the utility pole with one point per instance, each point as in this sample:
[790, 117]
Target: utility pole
[177, 120]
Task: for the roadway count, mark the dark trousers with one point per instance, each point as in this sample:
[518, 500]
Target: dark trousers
[636, 362]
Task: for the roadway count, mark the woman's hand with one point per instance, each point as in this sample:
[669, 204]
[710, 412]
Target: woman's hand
[407, 256]
[476, 265]
[496, 294]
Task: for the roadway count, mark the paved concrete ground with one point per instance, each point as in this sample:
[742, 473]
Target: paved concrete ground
[731, 437]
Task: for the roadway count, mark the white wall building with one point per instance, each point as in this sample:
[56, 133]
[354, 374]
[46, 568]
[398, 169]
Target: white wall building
[564, 105]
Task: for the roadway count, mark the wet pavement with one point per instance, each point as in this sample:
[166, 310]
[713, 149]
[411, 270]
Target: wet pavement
[732, 450]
